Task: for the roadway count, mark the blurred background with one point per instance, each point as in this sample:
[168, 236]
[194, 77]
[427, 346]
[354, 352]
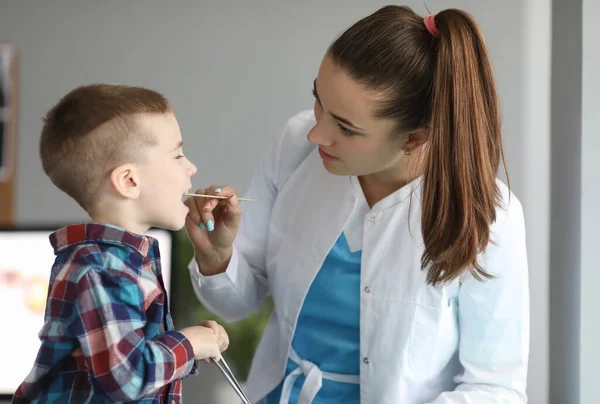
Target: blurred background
[236, 71]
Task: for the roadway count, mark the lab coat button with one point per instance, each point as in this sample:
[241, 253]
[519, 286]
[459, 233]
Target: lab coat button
[373, 219]
[366, 360]
[367, 289]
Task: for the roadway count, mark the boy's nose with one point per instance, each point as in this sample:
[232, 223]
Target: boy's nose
[193, 169]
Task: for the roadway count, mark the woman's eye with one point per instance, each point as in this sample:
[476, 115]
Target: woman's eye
[345, 131]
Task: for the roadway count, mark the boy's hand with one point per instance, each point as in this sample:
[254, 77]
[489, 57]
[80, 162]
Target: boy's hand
[205, 341]
[212, 225]
[222, 337]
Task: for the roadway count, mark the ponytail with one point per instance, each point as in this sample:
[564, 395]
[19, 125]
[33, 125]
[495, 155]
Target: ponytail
[460, 193]
[434, 74]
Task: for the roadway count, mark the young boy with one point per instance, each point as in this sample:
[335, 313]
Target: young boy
[108, 335]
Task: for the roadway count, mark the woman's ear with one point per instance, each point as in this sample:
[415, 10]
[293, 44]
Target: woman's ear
[125, 180]
[416, 139]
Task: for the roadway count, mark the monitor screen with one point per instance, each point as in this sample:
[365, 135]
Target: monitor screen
[26, 258]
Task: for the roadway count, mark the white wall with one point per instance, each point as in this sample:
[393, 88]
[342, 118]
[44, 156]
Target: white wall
[534, 177]
[235, 71]
[590, 201]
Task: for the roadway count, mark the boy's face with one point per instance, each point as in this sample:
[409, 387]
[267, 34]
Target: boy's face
[164, 173]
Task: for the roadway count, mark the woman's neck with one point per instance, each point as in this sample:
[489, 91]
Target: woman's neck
[379, 185]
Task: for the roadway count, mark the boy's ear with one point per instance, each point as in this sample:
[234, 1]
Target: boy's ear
[126, 181]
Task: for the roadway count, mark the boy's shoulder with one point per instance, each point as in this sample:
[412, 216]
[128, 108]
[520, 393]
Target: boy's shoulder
[81, 248]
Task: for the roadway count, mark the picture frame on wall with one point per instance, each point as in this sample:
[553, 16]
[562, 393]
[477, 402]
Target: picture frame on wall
[7, 110]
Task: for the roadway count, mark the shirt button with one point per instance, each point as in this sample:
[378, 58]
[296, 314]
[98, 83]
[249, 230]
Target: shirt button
[366, 360]
[373, 219]
[367, 289]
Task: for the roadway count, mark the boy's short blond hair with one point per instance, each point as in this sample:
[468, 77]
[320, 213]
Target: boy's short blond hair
[92, 130]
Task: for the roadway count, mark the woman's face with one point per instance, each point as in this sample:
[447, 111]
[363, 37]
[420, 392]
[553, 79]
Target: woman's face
[351, 140]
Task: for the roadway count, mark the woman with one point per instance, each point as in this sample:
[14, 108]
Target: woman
[395, 258]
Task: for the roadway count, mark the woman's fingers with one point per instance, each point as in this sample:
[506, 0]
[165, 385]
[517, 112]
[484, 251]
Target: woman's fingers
[213, 222]
[231, 214]
[208, 205]
[195, 207]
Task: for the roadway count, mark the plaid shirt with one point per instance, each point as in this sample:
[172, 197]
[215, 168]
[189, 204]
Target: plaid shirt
[107, 335]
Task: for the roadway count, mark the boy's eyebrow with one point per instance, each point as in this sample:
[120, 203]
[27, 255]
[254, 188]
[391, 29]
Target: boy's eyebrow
[179, 145]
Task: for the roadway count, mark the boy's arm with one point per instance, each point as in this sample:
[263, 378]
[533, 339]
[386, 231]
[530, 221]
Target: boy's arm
[108, 321]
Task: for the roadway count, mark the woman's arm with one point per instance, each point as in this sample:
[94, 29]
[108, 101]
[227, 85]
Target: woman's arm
[241, 289]
[494, 320]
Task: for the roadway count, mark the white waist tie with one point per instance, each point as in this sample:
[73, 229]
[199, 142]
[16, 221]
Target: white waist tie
[314, 380]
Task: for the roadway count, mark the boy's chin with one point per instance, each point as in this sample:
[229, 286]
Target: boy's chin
[174, 224]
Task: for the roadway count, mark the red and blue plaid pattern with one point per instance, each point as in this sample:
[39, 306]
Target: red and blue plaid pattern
[108, 334]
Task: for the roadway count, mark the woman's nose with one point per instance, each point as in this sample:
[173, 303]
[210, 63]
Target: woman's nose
[319, 136]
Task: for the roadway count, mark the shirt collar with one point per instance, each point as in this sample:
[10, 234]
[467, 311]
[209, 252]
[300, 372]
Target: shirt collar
[397, 197]
[100, 233]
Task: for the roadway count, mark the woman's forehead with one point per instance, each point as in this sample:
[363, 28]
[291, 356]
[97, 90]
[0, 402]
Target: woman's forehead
[343, 96]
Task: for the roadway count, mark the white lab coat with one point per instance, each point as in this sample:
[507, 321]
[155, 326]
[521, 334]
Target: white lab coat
[465, 342]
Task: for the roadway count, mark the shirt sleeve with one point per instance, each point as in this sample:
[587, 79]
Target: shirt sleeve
[108, 321]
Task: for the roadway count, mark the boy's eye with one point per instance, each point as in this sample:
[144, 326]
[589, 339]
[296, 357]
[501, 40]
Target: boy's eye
[180, 156]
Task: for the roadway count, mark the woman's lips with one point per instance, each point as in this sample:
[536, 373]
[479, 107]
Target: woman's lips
[326, 156]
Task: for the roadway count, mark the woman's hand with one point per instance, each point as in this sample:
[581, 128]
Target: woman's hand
[212, 225]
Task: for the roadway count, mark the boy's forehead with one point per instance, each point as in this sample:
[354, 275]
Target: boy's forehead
[162, 127]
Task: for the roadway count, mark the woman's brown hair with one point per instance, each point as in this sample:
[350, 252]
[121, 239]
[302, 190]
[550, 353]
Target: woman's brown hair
[441, 81]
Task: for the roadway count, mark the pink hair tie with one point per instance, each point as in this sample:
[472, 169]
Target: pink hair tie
[429, 22]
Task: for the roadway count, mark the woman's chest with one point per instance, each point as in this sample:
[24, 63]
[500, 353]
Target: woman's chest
[403, 322]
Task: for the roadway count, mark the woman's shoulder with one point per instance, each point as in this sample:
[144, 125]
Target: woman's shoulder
[293, 138]
[293, 146]
[509, 202]
[510, 218]
[301, 121]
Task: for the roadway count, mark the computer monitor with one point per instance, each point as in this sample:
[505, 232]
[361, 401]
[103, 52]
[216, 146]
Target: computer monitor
[26, 258]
